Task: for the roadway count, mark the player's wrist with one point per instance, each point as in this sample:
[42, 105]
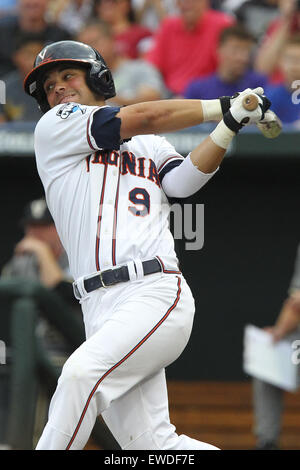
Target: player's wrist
[212, 110]
[222, 135]
[226, 102]
[231, 121]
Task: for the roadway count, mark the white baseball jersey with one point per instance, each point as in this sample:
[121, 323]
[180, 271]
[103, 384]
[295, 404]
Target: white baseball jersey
[109, 208]
[105, 198]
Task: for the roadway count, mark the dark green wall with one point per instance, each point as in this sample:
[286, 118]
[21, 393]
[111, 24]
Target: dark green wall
[19, 183]
[252, 227]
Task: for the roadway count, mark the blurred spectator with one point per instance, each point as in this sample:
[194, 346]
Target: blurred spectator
[287, 24]
[151, 12]
[19, 106]
[217, 4]
[30, 19]
[135, 80]
[234, 72]
[40, 256]
[285, 97]
[231, 5]
[71, 14]
[256, 15]
[268, 399]
[185, 45]
[131, 38]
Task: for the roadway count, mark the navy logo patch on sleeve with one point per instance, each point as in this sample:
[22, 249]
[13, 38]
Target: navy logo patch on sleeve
[70, 108]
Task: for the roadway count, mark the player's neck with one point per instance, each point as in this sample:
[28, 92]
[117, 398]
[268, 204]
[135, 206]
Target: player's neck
[92, 102]
[98, 103]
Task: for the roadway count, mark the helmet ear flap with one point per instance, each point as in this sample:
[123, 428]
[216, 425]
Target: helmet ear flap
[42, 100]
[101, 81]
[105, 76]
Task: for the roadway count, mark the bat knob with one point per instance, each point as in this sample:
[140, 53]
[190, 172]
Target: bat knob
[250, 102]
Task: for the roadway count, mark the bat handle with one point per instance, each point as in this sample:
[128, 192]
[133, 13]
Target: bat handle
[250, 102]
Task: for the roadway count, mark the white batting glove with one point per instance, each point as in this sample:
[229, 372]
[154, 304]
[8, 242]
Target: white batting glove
[270, 116]
[227, 101]
[214, 110]
[242, 115]
[258, 91]
[237, 116]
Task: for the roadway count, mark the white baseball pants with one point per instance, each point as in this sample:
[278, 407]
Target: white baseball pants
[134, 331]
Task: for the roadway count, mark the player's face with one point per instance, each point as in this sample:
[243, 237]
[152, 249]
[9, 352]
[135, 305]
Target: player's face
[64, 86]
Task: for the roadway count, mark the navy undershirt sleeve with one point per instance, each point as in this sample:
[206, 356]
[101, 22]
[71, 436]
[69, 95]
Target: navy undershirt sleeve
[168, 168]
[106, 128]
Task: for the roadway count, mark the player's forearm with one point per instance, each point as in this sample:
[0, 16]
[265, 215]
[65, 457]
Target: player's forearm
[165, 116]
[207, 156]
[199, 166]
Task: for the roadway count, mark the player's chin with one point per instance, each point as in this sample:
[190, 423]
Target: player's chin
[69, 99]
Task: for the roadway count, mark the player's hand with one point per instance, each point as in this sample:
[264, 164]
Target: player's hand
[227, 101]
[238, 116]
[245, 117]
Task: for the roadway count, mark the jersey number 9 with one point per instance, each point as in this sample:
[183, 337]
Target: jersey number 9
[141, 198]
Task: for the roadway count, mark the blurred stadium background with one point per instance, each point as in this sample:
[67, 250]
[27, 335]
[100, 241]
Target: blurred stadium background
[251, 219]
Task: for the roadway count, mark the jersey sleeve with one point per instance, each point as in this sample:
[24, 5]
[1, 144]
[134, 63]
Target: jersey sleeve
[103, 129]
[165, 156]
[74, 130]
[185, 180]
[66, 135]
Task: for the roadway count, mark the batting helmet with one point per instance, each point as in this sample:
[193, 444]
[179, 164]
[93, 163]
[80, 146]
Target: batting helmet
[99, 78]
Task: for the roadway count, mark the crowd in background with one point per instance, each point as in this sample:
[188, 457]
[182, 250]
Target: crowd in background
[160, 49]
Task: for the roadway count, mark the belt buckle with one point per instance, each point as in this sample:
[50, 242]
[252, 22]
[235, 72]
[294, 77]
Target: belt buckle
[76, 292]
[101, 279]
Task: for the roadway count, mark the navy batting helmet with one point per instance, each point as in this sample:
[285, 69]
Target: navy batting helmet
[99, 78]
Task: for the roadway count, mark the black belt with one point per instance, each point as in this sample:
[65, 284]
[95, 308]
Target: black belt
[114, 276]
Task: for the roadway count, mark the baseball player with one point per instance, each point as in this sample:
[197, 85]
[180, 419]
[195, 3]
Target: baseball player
[107, 179]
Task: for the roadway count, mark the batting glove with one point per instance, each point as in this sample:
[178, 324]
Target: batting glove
[227, 101]
[214, 110]
[237, 116]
